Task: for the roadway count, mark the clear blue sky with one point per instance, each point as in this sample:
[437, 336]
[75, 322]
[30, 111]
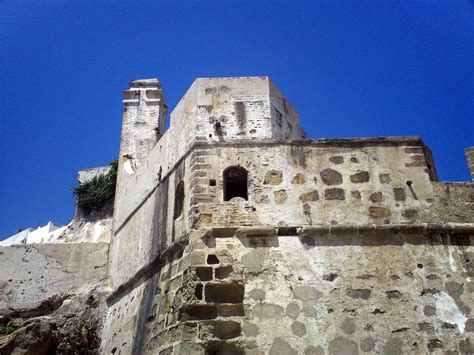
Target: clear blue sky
[351, 68]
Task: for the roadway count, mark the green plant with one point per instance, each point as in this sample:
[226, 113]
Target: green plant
[80, 340]
[8, 329]
[94, 194]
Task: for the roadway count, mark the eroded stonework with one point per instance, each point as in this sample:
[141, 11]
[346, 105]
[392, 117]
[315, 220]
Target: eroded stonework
[235, 234]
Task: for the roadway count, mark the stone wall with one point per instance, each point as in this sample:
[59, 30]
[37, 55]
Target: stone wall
[383, 290]
[318, 182]
[36, 272]
[453, 201]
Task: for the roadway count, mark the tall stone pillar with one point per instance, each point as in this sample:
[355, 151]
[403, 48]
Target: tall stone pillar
[144, 112]
[143, 124]
[469, 152]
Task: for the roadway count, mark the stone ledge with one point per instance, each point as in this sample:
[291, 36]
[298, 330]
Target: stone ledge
[256, 232]
[373, 229]
[343, 229]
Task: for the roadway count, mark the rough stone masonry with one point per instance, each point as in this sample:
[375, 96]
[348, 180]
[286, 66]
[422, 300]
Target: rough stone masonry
[233, 233]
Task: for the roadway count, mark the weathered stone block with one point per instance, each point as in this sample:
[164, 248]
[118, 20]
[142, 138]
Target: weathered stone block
[280, 197]
[224, 293]
[376, 197]
[198, 312]
[273, 177]
[309, 196]
[348, 326]
[223, 272]
[225, 329]
[385, 178]
[230, 310]
[298, 179]
[204, 273]
[293, 310]
[379, 212]
[281, 347]
[250, 329]
[341, 345]
[356, 194]
[268, 311]
[331, 177]
[363, 294]
[257, 294]
[410, 213]
[399, 193]
[338, 159]
[334, 194]
[360, 177]
[298, 329]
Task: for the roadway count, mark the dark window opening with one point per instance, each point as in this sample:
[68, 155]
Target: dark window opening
[235, 183]
[178, 200]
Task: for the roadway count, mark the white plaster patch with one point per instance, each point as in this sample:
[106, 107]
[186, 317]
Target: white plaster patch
[128, 167]
[448, 311]
[452, 262]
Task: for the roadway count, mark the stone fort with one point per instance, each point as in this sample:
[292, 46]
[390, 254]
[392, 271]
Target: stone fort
[233, 233]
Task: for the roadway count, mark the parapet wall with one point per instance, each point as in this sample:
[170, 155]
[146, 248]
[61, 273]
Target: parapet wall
[315, 182]
[36, 272]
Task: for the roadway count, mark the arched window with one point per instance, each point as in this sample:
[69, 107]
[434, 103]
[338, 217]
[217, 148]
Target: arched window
[235, 183]
[178, 200]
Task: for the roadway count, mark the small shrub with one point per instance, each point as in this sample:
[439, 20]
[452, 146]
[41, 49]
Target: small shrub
[94, 194]
[82, 339]
[8, 329]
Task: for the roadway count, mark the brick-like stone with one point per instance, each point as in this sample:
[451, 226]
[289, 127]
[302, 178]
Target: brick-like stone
[298, 329]
[399, 193]
[363, 294]
[379, 212]
[309, 196]
[376, 197]
[331, 177]
[348, 326]
[334, 194]
[360, 177]
[273, 177]
[341, 345]
[298, 179]
[280, 197]
[385, 178]
[338, 159]
[281, 347]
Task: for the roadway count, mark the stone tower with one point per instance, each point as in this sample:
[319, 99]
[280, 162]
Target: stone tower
[237, 234]
[143, 124]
